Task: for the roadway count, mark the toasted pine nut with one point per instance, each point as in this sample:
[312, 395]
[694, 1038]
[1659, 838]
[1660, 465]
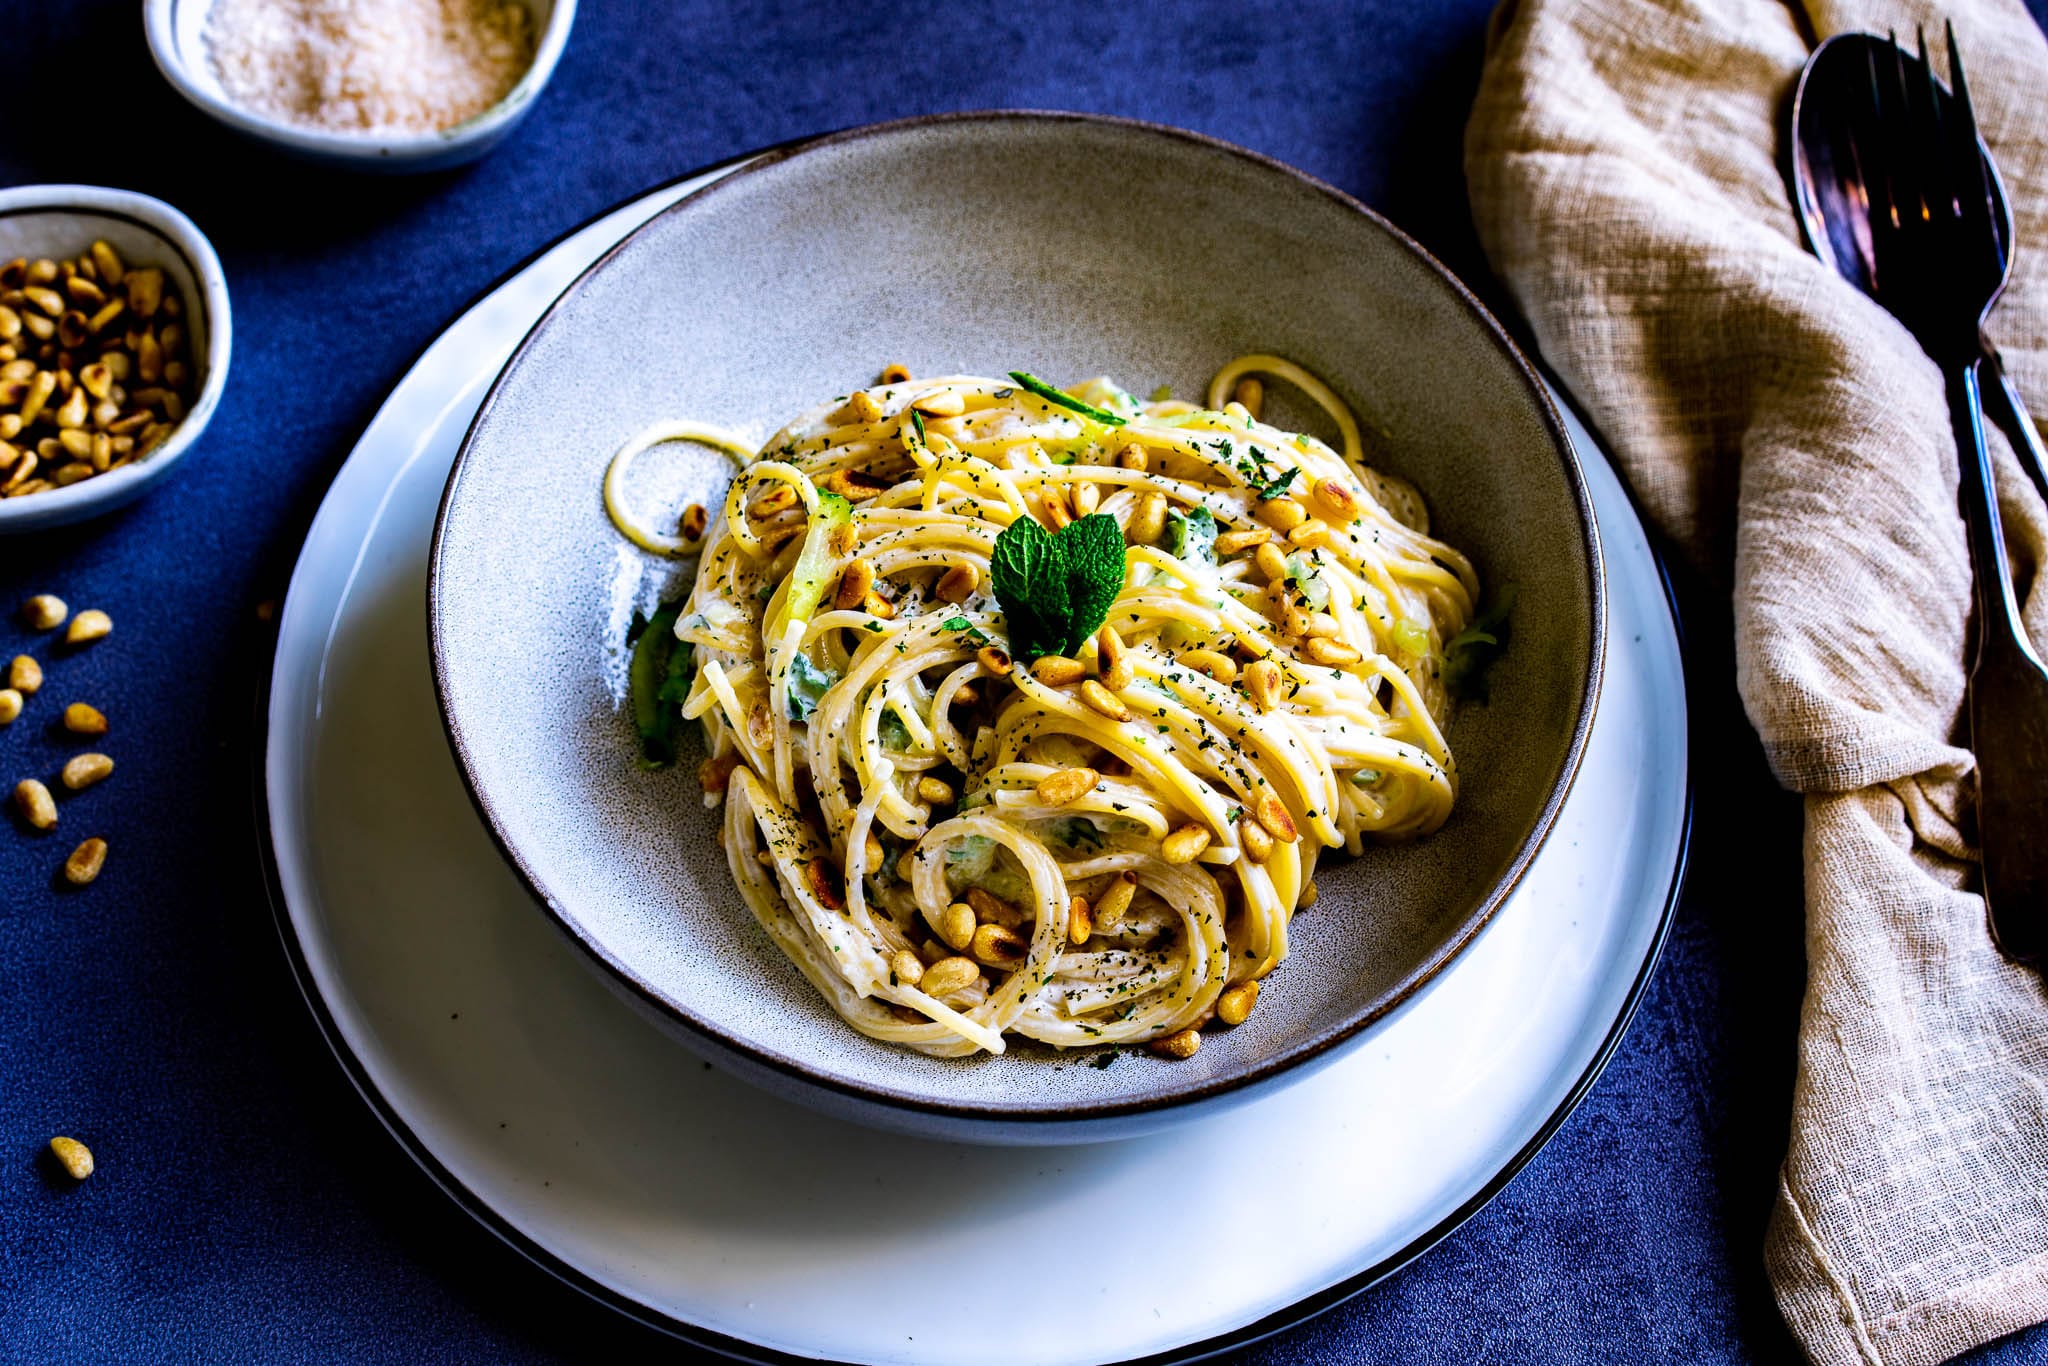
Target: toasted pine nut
[1180, 1046]
[875, 605]
[906, 866]
[85, 862]
[714, 773]
[851, 485]
[1104, 701]
[1323, 650]
[42, 271]
[1314, 532]
[998, 947]
[773, 501]
[957, 584]
[875, 855]
[954, 924]
[1116, 670]
[949, 975]
[1262, 676]
[64, 476]
[48, 300]
[145, 291]
[989, 908]
[10, 706]
[1080, 924]
[24, 675]
[854, 582]
[906, 968]
[823, 879]
[1271, 812]
[44, 611]
[996, 661]
[760, 726]
[1335, 500]
[935, 791]
[1148, 519]
[1220, 667]
[895, 373]
[1270, 560]
[967, 694]
[37, 806]
[695, 520]
[1057, 671]
[107, 264]
[81, 719]
[1282, 514]
[1319, 624]
[1230, 542]
[1184, 845]
[843, 539]
[862, 407]
[1309, 896]
[1056, 513]
[1235, 1004]
[940, 403]
[1251, 394]
[91, 624]
[1115, 901]
[1067, 785]
[1087, 497]
[1258, 845]
[1133, 457]
[73, 1156]
[40, 388]
[83, 770]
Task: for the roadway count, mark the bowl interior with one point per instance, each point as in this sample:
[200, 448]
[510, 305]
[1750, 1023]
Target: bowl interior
[983, 244]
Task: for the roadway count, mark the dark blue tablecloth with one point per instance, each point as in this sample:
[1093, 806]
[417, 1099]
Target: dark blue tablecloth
[247, 1207]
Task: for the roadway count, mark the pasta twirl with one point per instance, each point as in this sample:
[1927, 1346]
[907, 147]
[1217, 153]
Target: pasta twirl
[956, 846]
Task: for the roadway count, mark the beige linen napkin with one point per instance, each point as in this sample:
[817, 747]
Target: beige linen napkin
[1626, 165]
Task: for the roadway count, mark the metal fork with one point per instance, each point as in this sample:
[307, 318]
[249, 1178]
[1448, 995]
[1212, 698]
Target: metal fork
[1939, 270]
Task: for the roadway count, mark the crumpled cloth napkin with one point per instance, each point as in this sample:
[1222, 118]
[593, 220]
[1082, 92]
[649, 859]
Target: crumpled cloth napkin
[1627, 160]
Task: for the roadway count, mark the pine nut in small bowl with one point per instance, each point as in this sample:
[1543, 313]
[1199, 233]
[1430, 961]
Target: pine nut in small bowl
[373, 85]
[114, 344]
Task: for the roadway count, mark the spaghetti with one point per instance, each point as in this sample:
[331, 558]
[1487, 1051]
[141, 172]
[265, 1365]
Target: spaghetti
[1105, 846]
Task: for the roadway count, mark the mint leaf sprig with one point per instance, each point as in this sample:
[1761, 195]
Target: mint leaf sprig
[1057, 588]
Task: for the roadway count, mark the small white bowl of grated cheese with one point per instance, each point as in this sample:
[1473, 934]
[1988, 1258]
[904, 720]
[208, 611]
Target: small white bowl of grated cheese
[378, 85]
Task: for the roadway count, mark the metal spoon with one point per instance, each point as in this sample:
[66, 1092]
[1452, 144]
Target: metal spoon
[1836, 215]
[1898, 193]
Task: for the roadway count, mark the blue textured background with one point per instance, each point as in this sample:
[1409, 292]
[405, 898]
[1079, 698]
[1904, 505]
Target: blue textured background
[247, 1206]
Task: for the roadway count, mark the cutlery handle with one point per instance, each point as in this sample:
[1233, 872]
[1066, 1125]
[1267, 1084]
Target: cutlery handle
[2008, 705]
[2018, 424]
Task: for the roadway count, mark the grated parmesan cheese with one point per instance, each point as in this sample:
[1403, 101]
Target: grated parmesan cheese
[369, 66]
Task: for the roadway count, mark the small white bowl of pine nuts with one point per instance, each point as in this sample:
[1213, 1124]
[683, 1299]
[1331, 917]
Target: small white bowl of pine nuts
[114, 344]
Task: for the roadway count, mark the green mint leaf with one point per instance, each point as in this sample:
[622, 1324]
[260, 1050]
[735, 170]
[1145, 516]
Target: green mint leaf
[1056, 590]
[1065, 400]
[1191, 535]
[1092, 548]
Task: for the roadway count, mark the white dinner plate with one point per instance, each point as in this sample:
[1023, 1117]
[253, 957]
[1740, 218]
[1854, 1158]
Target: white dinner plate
[588, 1140]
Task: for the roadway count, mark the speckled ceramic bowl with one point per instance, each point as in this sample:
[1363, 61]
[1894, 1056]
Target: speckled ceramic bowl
[983, 243]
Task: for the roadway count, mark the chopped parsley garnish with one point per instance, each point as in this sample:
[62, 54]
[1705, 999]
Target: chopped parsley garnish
[1274, 487]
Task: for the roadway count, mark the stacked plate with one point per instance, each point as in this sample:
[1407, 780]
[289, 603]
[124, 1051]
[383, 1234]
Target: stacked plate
[565, 1114]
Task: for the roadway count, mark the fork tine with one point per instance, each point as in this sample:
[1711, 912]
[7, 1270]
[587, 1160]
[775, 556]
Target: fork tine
[1973, 185]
